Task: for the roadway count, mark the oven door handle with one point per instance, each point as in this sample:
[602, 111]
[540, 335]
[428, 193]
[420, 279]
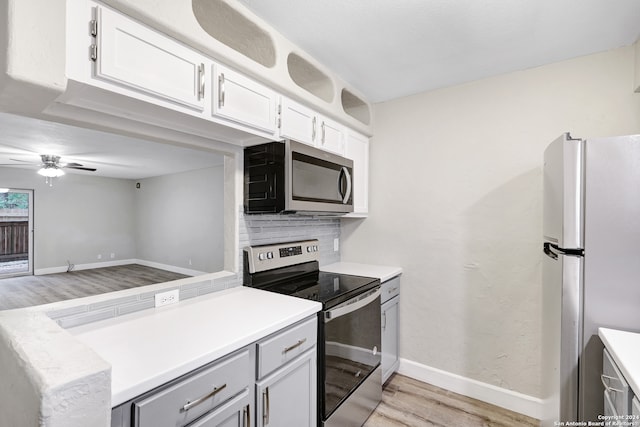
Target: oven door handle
[351, 305]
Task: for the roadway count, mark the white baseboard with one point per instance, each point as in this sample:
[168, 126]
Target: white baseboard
[88, 266]
[114, 263]
[167, 267]
[508, 399]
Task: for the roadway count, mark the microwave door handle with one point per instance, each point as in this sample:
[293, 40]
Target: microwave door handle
[350, 307]
[344, 175]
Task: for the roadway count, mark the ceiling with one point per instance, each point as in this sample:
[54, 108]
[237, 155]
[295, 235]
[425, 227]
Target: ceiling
[25, 139]
[392, 48]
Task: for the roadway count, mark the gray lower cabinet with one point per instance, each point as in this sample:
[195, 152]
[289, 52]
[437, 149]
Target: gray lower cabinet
[225, 393]
[208, 396]
[235, 413]
[286, 387]
[288, 396]
[390, 297]
[635, 409]
[617, 393]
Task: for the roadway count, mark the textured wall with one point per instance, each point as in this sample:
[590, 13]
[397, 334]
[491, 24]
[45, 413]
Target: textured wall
[456, 201]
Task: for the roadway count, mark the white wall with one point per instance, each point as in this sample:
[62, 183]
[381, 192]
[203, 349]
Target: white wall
[180, 219]
[456, 199]
[78, 218]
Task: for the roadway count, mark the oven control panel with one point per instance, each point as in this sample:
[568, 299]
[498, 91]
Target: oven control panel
[269, 257]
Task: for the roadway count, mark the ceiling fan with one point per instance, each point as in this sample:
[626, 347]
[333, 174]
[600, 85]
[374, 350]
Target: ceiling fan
[51, 167]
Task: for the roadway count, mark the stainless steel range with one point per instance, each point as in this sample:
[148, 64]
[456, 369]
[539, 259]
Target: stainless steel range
[349, 373]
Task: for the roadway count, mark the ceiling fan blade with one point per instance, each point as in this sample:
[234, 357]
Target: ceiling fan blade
[80, 168]
[25, 161]
[72, 165]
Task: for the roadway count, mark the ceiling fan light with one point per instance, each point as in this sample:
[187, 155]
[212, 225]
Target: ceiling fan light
[50, 172]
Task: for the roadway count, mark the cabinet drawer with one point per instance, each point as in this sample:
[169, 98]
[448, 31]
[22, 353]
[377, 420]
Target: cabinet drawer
[390, 289]
[285, 346]
[187, 399]
[616, 388]
[236, 412]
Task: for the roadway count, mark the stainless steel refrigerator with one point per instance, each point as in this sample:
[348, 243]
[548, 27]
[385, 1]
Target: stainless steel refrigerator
[591, 266]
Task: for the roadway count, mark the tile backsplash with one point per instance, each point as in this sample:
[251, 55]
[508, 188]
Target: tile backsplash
[268, 229]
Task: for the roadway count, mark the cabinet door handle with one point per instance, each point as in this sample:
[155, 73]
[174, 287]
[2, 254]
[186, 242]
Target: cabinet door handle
[221, 92]
[247, 416]
[196, 402]
[313, 129]
[604, 377]
[265, 406]
[200, 81]
[384, 320]
[323, 132]
[296, 345]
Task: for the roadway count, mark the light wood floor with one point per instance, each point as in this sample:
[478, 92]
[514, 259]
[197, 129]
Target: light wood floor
[408, 402]
[18, 292]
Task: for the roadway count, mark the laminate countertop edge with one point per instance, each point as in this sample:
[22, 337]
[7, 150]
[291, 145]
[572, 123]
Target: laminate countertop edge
[148, 348]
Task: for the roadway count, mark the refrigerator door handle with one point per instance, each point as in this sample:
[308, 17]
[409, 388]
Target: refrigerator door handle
[549, 252]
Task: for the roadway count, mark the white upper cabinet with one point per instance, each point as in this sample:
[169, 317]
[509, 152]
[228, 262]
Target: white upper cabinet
[297, 122]
[331, 137]
[305, 125]
[244, 101]
[357, 149]
[135, 57]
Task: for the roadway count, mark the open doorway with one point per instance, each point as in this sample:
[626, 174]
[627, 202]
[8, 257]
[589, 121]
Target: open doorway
[16, 238]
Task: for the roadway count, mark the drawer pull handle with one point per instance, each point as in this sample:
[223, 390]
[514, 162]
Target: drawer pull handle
[296, 345]
[215, 391]
[606, 386]
[393, 289]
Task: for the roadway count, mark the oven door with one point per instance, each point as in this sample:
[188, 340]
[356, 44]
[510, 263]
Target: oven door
[317, 181]
[351, 347]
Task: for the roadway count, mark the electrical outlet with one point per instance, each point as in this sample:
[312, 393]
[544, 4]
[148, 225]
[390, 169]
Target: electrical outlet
[336, 245]
[166, 298]
[113, 255]
[99, 256]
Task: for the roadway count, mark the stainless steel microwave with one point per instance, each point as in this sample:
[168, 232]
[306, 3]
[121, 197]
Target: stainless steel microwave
[292, 177]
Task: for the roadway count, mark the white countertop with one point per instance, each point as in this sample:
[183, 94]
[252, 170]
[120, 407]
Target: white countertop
[381, 272]
[148, 348]
[624, 347]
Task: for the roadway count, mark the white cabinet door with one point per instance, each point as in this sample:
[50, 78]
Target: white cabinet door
[390, 359]
[303, 124]
[139, 58]
[288, 396]
[357, 149]
[244, 101]
[298, 122]
[331, 137]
